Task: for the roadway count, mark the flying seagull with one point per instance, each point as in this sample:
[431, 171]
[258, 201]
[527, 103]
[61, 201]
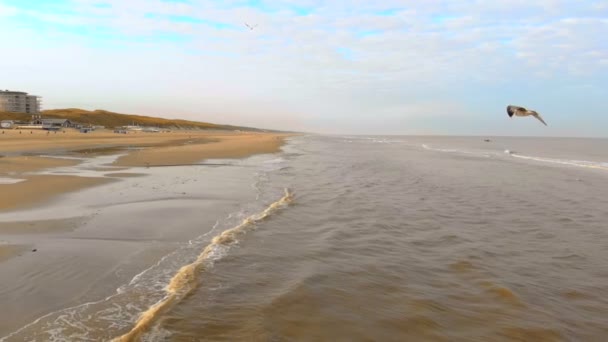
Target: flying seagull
[521, 111]
[251, 27]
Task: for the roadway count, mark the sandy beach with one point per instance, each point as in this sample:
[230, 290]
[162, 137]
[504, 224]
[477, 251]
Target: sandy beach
[75, 216]
[22, 155]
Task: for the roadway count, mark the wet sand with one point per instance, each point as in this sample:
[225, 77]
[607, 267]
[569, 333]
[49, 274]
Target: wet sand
[10, 251]
[41, 226]
[192, 151]
[13, 166]
[124, 174]
[21, 188]
[39, 189]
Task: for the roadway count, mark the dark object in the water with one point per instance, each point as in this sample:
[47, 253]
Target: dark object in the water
[33, 250]
[487, 140]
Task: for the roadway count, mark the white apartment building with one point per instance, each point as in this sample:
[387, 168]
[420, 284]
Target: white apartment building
[19, 102]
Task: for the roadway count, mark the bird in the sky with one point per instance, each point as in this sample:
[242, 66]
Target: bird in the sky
[251, 27]
[521, 111]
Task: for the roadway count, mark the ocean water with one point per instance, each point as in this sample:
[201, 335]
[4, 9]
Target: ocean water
[378, 239]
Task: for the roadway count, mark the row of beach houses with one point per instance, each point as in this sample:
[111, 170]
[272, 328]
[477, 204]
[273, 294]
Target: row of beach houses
[46, 124]
[22, 102]
[59, 124]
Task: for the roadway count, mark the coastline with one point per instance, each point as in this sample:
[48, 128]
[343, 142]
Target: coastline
[72, 231]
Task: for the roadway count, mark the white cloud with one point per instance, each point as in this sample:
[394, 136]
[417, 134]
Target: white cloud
[6, 11]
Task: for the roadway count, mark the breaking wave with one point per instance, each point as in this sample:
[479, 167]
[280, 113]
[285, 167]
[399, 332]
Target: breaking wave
[186, 279]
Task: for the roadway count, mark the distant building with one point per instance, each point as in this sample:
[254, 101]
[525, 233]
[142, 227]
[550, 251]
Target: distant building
[151, 129]
[7, 123]
[133, 128]
[19, 102]
[55, 123]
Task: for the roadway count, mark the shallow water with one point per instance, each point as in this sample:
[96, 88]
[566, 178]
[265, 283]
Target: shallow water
[381, 239]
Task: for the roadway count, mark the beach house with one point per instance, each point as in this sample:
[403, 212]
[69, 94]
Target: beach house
[55, 123]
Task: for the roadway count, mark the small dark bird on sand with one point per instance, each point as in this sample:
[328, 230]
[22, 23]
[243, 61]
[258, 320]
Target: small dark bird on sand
[521, 111]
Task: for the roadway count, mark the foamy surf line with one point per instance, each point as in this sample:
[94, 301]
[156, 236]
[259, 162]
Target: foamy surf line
[5, 180]
[446, 150]
[185, 280]
[577, 163]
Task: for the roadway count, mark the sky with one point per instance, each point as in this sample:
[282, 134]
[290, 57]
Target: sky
[338, 67]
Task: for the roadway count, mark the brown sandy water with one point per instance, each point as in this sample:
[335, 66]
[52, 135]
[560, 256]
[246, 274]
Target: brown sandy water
[382, 239]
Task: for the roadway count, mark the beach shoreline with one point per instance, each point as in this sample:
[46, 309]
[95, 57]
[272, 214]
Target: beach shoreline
[26, 155]
[55, 255]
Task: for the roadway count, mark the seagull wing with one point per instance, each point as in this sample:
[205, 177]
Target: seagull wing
[536, 115]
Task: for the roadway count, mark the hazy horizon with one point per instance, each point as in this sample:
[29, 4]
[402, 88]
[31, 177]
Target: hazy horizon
[390, 68]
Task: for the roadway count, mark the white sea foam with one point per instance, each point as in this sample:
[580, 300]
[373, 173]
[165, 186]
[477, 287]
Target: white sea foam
[515, 154]
[578, 163]
[457, 151]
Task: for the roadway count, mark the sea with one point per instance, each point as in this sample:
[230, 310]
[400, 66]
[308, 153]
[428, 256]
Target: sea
[366, 238]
